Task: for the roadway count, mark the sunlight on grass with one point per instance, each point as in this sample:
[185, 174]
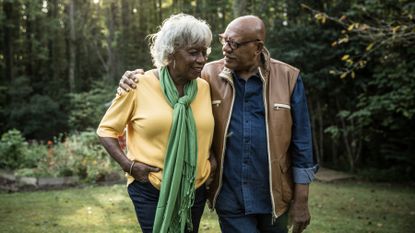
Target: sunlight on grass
[340, 207]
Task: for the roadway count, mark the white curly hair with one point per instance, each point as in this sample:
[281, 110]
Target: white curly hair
[178, 31]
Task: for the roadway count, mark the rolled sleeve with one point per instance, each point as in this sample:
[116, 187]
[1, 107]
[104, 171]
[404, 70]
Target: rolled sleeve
[304, 175]
[117, 116]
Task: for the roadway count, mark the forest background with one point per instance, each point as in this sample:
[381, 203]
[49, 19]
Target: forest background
[60, 63]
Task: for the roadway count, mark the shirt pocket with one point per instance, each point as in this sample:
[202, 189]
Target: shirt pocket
[278, 106]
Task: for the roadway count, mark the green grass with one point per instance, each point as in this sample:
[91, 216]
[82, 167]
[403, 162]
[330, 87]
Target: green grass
[341, 207]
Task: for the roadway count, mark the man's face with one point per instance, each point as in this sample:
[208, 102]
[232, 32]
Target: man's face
[239, 47]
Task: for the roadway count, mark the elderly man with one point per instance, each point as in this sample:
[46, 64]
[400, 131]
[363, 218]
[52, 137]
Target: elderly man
[262, 138]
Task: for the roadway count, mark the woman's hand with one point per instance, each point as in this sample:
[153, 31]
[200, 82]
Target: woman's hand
[140, 171]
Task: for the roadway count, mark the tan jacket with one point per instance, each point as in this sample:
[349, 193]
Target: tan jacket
[278, 83]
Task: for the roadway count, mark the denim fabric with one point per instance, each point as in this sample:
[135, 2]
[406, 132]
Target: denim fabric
[145, 197]
[304, 166]
[245, 174]
[252, 223]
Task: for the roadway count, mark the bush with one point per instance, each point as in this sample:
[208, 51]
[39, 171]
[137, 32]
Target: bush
[37, 116]
[86, 106]
[12, 148]
[33, 154]
[79, 154]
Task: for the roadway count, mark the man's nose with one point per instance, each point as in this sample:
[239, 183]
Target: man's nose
[226, 47]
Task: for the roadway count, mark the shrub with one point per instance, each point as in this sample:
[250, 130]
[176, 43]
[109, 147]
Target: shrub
[78, 154]
[12, 148]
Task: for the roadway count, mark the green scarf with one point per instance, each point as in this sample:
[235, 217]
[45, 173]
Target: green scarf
[177, 190]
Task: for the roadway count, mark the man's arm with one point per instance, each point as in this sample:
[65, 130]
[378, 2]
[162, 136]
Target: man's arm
[303, 163]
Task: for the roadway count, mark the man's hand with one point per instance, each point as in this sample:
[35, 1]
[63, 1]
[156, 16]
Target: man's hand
[213, 167]
[140, 171]
[299, 214]
[128, 80]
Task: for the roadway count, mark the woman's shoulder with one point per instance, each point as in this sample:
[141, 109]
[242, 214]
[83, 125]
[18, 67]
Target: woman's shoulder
[202, 83]
[148, 76]
[146, 81]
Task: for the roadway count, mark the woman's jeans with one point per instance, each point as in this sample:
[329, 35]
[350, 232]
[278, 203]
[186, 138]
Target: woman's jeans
[145, 197]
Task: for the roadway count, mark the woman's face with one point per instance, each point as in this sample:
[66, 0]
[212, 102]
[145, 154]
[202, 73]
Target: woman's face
[188, 62]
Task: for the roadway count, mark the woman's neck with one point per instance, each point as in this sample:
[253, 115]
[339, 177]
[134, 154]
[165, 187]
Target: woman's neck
[178, 81]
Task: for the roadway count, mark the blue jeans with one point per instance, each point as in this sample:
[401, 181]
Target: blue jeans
[251, 223]
[145, 197]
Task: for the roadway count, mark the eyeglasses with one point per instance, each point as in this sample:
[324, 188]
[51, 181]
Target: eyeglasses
[233, 44]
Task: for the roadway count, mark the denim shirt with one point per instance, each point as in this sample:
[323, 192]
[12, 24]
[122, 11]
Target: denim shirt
[245, 188]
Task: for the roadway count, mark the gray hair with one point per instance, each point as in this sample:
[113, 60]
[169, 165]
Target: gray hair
[176, 32]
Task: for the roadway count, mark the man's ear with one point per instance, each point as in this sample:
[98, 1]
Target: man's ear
[260, 46]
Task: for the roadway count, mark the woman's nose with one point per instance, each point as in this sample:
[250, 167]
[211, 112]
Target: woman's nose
[201, 57]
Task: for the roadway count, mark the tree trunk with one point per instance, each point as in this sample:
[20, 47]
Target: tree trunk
[29, 44]
[321, 131]
[71, 46]
[111, 49]
[160, 10]
[8, 44]
[240, 7]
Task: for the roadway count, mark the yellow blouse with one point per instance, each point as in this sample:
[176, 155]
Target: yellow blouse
[148, 118]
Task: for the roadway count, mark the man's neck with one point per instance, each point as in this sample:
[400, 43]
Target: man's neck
[249, 71]
[246, 74]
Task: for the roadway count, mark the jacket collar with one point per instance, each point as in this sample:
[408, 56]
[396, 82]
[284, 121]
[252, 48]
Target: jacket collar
[263, 69]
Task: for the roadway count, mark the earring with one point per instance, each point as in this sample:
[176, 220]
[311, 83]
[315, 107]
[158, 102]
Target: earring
[174, 64]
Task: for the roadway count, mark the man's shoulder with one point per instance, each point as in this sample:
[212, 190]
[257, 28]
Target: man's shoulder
[283, 65]
[214, 66]
[211, 70]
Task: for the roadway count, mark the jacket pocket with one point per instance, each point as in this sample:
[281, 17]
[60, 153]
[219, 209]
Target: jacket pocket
[278, 106]
[216, 103]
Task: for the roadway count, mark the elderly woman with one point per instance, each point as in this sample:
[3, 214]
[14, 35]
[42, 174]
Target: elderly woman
[169, 130]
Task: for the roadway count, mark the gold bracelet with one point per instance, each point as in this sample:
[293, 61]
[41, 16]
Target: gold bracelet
[131, 167]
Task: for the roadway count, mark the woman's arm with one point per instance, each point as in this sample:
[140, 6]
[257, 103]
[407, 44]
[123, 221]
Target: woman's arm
[136, 169]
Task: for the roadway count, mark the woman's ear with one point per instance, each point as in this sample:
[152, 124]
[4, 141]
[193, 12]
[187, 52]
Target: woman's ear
[170, 57]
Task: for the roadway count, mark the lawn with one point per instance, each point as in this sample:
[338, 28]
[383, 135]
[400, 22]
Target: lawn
[340, 207]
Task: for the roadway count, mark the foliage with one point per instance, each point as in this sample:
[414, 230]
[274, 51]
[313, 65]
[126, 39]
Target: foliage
[38, 116]
[79, 154]
[12, 147]
[16, 153]
[87, 107]
[371, 101]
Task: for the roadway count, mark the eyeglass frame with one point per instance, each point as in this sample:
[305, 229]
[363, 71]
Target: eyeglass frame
[233, 44]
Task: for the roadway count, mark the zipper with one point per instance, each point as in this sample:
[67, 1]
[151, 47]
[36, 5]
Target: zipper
[224, 143]
[284, 106]
[264, 92]
[216, 102]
